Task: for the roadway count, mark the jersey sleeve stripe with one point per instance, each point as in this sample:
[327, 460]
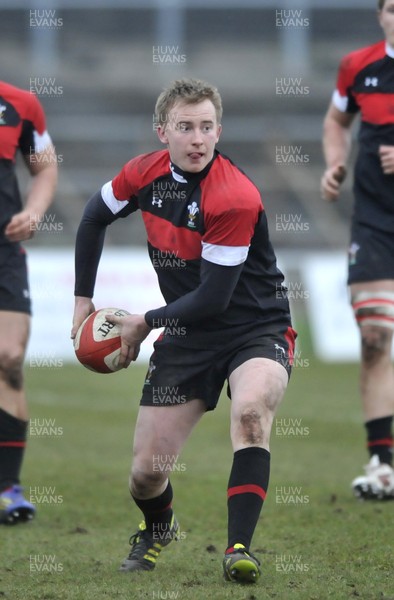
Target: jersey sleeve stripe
[340, 102]
[110, 200]
[41, 141]
[227, 256]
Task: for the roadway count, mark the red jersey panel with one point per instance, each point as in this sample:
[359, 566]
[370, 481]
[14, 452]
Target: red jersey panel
[217, 207]
[366, 84]
[22, 122]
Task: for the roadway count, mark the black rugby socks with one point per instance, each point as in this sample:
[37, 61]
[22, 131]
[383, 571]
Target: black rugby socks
[246, 493]
[13, 433]
[380, 438]
[157, 512]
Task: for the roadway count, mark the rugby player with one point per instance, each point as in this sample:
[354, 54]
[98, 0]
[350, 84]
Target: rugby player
[226, 316]
[22, 128]
[365, 84]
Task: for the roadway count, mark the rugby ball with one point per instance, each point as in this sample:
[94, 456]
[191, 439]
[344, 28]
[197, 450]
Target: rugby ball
[97, 343]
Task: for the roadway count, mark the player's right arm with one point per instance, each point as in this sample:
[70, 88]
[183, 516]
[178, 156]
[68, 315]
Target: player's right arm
[337, 124]
[101, 210]
[88, 248]
[336, 149]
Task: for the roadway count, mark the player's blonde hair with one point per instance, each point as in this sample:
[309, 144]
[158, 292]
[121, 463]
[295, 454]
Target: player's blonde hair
[189, 91]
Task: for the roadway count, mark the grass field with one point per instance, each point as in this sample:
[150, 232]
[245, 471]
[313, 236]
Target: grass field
[314, 540]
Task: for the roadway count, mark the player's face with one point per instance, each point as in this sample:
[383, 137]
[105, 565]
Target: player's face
[386, 20]
[191, 133]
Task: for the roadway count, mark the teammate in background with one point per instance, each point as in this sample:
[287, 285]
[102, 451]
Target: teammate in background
[226, 318]
[22, 127]
[366, 84]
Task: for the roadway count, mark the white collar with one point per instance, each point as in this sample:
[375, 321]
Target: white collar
[177, 176]
[389, 50]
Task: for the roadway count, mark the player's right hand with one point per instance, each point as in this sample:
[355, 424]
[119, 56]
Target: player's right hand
[82, 309]
[21, 227]
[331, 182]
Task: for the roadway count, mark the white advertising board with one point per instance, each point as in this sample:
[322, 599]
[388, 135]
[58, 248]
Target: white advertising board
[334, 332]
[125, 279]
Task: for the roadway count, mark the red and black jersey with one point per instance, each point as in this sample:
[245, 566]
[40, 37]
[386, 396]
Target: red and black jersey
[23, 128]
[366, 84]
[216, 215]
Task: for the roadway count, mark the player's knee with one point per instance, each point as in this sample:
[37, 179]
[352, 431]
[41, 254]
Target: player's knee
[11, 368]
[143, 481]
[376, 344]
[250, 425]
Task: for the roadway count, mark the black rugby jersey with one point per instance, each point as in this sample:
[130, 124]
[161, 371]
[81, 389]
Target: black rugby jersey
[366, 83]
[217, 215]
[22, 127]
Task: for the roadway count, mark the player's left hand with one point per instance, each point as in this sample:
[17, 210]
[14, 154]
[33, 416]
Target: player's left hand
[21, 227]
[133, 331]
[386, 154]
[331, 182]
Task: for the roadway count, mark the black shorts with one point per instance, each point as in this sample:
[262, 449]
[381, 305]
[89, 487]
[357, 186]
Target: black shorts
[14, 286]
[371, 254]
[177, 374]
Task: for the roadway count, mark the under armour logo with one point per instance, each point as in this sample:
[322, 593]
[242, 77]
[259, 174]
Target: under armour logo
[371, 82]
[157, 201]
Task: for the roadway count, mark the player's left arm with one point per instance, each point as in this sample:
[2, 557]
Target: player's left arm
[210, 298]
